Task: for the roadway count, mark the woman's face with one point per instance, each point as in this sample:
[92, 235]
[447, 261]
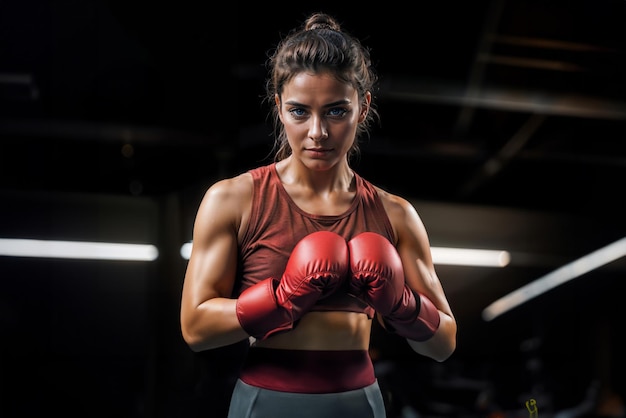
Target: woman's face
[320, 115]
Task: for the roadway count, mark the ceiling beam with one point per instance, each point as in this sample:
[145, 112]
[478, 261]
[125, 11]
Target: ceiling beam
[506, 99]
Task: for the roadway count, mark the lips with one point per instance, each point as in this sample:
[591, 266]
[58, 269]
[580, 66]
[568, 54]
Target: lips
[318, 152]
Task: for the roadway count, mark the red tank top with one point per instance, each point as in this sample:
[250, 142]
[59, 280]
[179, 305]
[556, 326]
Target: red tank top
[277, 224]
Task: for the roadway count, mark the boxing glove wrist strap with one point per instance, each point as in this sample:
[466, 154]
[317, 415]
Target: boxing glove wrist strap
[259, 313]
[416, 317]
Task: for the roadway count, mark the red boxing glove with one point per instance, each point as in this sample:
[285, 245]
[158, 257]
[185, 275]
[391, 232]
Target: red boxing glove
[377, 277]
[318, 265]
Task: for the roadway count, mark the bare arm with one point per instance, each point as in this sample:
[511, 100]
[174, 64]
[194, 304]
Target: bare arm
[414, 248]
[208, 317]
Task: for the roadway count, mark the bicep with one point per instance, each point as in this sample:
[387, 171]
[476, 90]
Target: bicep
[213, 262]
[414, 248]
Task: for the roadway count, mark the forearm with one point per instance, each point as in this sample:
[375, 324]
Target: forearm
[442, 344]
[212, 324]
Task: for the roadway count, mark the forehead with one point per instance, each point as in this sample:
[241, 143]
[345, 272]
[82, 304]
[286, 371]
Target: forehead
[317, 86]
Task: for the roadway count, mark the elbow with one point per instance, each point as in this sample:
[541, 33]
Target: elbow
[194, 345]
[447, 343]
[441, 345]
[437, 348]
[211, 327]
[201, 338]
[191, 341]
[194, 340]
[197, 343]
[445, 351]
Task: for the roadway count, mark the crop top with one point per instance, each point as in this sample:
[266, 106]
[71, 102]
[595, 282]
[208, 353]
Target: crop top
[277, 224]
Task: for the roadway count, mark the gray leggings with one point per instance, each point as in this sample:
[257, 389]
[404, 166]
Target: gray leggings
[252, 402]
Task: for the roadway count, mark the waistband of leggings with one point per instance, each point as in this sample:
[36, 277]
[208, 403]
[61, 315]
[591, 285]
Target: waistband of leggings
[307, 371]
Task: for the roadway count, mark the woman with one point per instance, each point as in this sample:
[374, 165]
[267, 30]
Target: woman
[300, 255]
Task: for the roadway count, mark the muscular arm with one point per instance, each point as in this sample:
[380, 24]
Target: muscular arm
[414, 248]
[208, 316]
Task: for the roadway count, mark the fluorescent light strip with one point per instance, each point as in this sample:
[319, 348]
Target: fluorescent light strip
[470, 257]
[77, 250]
[450, 256]
[185, 250]
[559, 276]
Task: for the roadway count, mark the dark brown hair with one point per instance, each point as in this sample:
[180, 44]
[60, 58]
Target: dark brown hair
[320, 46]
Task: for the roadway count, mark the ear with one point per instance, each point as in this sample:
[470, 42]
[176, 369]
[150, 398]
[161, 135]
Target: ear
[365, 106]
[280, 110]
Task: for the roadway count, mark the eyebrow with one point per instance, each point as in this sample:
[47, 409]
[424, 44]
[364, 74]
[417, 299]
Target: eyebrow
[337, 103]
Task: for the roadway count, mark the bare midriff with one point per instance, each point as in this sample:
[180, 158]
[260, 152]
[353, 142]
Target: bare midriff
[325, 331]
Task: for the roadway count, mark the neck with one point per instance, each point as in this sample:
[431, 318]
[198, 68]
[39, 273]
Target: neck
[293, 172]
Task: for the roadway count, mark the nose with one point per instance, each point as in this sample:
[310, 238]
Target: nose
[317, 130]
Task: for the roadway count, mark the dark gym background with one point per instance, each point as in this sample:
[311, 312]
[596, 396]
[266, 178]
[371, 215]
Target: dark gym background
[503, 121]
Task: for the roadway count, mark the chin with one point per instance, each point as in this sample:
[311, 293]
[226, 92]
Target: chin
[320, 165]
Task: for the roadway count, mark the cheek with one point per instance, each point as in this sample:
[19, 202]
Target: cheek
[295, 133]
[294, 129]
[342, 132]
[347, 129]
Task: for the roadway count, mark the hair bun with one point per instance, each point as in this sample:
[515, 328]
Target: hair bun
[321, 21]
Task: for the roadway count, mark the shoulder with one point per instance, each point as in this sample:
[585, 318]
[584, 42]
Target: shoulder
[233, 188]
[402, 214]
[228, 200]
[394, 204]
